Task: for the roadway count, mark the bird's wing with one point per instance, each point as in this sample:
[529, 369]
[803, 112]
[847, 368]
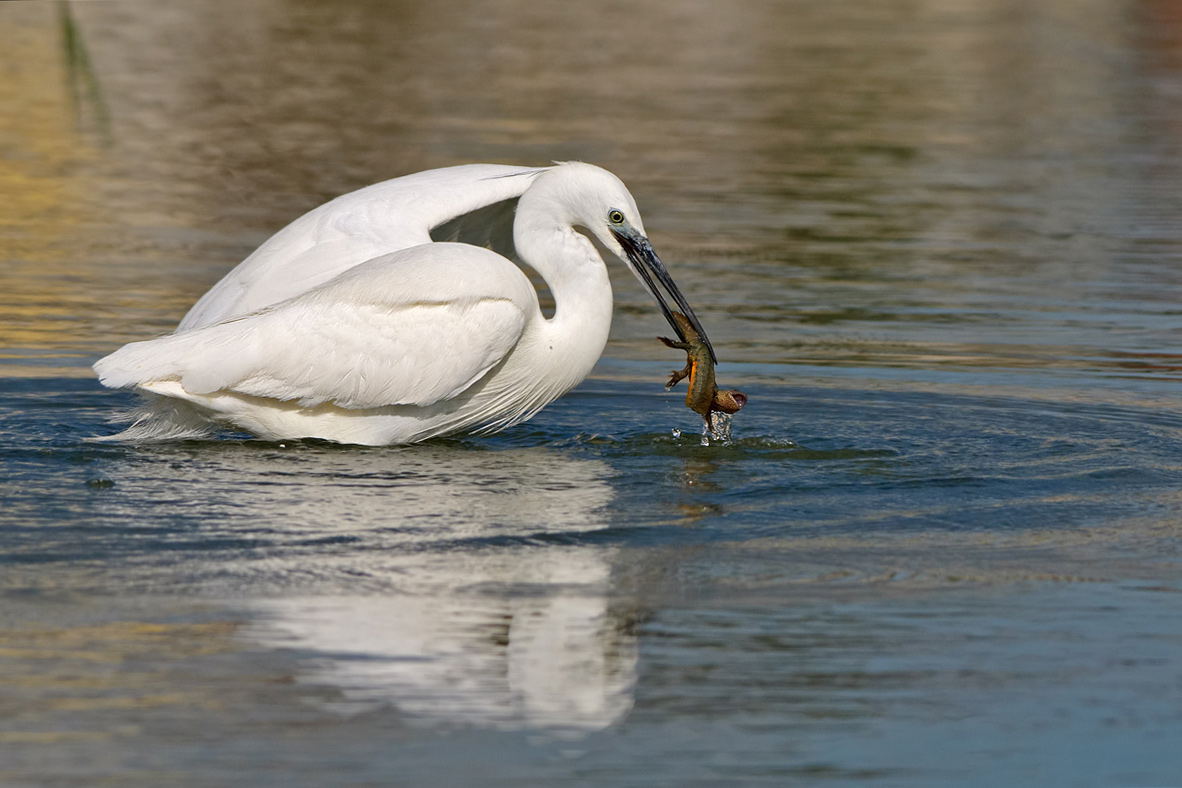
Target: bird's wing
[412, 328]
[355, 227]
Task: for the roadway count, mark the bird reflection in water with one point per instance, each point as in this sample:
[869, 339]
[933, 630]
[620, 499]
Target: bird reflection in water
[455, 589]
[554, 658]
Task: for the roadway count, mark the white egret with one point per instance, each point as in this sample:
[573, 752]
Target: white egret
[395, 313]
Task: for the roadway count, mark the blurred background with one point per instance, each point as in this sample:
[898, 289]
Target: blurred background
[793, 159]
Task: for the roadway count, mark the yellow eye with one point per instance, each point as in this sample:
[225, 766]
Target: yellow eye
[615, 217]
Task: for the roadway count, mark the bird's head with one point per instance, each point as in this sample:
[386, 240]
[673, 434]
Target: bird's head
[599, 202]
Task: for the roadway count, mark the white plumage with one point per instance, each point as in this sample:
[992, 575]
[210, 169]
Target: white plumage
[354, 324]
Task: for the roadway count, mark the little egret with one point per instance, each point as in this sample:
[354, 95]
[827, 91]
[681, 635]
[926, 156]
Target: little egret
[395, 313]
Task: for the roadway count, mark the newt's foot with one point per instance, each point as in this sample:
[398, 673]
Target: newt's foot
[679, 374]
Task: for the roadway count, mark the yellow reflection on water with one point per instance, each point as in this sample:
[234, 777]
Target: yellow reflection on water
[54, 674]
[42, 157]
[46, 179]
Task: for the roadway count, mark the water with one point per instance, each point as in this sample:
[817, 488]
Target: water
[935, 243]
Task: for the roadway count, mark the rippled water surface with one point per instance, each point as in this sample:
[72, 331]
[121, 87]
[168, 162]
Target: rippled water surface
[937, 243]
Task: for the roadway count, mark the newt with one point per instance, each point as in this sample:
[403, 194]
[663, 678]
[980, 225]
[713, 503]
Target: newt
[703, 396]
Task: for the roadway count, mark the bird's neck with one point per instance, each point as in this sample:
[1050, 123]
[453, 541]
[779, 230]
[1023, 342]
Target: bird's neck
[577, 278]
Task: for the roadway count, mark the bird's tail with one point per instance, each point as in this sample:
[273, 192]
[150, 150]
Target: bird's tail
[160, 419]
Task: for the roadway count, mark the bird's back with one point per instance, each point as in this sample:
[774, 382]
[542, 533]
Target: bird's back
[353, 228]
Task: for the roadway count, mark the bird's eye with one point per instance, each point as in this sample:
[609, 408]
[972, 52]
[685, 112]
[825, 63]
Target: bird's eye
[615, 217]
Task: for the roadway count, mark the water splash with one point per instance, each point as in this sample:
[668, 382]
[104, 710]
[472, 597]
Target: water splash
[717, 426]
[715, 429]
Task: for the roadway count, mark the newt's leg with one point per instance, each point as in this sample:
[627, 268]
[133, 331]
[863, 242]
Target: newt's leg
[679, 374]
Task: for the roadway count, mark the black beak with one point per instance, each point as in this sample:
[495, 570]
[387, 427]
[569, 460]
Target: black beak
[651, 271]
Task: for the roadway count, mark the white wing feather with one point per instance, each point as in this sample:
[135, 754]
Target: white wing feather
[411, 328]
[355, 227]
